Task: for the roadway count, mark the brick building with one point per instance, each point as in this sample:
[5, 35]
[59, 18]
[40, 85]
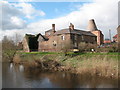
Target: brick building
[118, 36]
[57, 40]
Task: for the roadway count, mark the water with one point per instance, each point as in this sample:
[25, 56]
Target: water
[19, 77]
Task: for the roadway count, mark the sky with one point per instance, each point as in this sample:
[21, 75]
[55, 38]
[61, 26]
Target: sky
[36, 17]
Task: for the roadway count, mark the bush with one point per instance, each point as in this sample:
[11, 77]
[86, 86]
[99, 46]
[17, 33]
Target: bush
[113, 48]
[108, 48]
[86, 46]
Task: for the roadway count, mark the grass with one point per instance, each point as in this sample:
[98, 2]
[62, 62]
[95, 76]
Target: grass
[101, 65]
[38, 53]
[88, 53]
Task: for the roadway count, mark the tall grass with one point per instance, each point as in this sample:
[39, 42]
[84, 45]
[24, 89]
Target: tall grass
[102, 65]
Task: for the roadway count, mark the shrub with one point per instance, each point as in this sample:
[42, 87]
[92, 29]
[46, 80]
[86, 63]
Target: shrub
[86, 46]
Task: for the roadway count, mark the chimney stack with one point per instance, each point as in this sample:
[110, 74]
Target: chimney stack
[53, 27]
[91, 25]
[71, 27]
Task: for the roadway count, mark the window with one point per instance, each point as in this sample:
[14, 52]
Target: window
[75, 44]
[75, 37]
[62, 37]
[82, 37]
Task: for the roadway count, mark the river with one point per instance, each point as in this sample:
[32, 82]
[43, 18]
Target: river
[18, 77]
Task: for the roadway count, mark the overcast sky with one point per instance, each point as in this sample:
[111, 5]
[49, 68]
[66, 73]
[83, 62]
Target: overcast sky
[37, 17]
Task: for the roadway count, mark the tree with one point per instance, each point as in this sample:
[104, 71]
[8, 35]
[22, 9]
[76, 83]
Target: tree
[8, 49]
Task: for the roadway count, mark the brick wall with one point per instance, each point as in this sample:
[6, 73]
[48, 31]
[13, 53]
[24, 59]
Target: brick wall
[100, 36]
[82, 38]
[118, 29]
[25, 45]
[55, 43]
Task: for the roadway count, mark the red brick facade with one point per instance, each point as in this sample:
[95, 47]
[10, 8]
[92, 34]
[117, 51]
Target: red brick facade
[100, 36]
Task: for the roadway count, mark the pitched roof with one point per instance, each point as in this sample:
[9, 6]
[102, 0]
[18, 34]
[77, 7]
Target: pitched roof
[115, 36]
[44, 37]
[84, 32]
[75, 31]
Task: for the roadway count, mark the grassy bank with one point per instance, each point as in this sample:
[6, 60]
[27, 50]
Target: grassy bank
[100, 64]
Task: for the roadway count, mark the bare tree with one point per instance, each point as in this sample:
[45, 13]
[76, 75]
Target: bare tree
[8, 49]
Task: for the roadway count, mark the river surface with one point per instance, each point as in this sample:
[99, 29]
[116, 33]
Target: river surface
[18, 77]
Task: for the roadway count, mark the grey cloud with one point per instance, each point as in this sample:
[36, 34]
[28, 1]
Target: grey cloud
[8, 11]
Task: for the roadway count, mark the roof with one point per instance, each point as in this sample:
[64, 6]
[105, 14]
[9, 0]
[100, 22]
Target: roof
[75, 31]
[84, 32]
[118, 27]
[115, 36]
[107, 41]
[44, 37]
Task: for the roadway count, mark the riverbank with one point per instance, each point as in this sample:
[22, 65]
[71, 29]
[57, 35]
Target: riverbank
[99, 64]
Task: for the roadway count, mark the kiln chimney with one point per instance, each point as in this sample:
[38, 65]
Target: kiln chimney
[91, 25]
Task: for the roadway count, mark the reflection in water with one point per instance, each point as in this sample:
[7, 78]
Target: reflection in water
[23, 78]
[63, 75]
[11, 65]
[21, 68]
